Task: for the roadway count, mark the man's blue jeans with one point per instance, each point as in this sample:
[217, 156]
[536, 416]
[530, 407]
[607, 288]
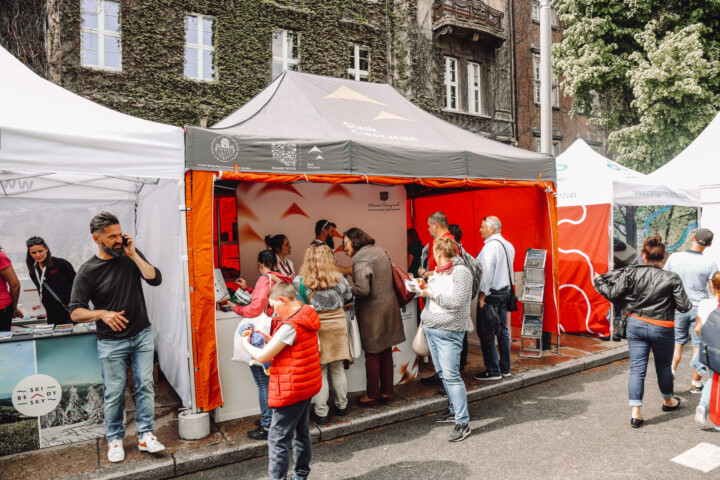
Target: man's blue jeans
[445, 348]
[489, 352]
[114, 356]
[262, 381]
[290, 424]
[643, 337]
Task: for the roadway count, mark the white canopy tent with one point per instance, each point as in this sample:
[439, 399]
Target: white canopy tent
[698, 166]
[588, 186]
[63, 159]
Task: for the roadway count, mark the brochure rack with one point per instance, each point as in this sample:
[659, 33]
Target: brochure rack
[532, 297]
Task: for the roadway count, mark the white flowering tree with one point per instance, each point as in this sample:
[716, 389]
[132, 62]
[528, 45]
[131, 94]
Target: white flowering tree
[654, 65]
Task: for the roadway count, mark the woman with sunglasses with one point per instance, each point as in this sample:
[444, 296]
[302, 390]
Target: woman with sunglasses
[9, 293]
[53, 277]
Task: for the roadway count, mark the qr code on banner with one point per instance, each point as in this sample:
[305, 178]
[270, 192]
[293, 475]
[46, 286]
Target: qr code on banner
[285, 153]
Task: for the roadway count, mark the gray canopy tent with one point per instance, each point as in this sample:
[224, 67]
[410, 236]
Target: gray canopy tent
[309, 128]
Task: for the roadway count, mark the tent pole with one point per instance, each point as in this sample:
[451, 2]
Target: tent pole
[186, 280]
[611, 263]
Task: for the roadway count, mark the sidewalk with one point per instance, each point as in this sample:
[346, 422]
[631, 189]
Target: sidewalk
[227, 442]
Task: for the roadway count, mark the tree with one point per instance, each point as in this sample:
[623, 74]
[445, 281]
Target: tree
[74, 408]
[654, 65]
[95, 407]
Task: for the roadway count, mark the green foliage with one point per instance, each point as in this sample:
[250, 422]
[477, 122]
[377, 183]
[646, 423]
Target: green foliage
[152, 84]
[654, 64]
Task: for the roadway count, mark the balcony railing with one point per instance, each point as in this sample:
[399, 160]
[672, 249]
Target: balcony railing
[471, 11]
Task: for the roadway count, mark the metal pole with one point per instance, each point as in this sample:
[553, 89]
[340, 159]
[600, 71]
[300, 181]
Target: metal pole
[546, 77]
[611, 263]
[186, 280]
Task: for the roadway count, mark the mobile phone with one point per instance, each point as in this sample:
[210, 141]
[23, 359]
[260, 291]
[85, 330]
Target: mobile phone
[124, 240]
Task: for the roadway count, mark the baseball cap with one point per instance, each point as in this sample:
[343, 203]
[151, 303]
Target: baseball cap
[704, 237]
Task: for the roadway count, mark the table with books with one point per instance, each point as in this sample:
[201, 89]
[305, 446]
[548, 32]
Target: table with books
[51, 389]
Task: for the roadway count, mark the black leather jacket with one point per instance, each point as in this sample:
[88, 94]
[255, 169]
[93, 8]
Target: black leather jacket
[646, 290]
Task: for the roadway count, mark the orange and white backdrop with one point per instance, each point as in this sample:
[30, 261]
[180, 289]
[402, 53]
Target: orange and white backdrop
[292, 209]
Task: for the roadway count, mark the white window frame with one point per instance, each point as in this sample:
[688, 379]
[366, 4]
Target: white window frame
[556, 146]
[200, 47]
[535, 15]
[284, 59]
[449, 85]
[101, 34]
[473, 90]
[536, 85]
[356, 73]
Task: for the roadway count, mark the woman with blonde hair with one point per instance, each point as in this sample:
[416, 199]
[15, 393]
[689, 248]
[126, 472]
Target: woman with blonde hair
[326, 290]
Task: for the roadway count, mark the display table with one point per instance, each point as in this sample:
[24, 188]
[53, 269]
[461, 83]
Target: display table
[240, 396]
[57, 380]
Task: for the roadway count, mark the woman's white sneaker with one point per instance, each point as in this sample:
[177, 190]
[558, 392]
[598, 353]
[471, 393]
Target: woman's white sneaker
[116, 453]
[148, 443]
[700, 415]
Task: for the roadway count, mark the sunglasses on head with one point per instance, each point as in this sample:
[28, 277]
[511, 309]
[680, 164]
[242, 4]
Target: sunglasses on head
[34, 241]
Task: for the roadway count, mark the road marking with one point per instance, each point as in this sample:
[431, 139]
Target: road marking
[703, 457]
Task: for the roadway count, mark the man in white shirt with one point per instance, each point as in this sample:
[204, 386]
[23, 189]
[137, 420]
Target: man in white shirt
[695, 270]
[496, 258]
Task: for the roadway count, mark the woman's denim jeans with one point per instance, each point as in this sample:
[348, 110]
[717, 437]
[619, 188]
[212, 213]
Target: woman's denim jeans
[262, 380]
[114, 356]
[445, 348]
[643, 337]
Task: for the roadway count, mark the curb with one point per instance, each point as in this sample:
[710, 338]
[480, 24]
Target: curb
[211, 456]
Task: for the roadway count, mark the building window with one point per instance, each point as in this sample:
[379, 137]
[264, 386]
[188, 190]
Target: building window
[285, 52]
[555, 146]
[555, 86]
[536, 12]
[359, 66]
[474, 74]
[199, 49]
[100, 35]
[451, 84]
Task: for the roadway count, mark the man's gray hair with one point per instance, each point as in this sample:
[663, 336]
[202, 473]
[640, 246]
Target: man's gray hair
[102, 220]
[493, 222]
[439, 218]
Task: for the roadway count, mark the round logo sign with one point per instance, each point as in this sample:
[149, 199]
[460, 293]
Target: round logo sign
[36, 395]
[560, 167]
[224, 149]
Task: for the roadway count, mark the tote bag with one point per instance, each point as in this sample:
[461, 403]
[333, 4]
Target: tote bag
[262, 324]
[420, 345]
[353, 334]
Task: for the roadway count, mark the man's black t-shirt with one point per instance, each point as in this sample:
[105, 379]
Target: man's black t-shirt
[113, 285]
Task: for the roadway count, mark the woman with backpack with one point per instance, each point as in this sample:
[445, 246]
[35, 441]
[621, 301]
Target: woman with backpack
[326, 290]
[651, 296]
[445, 321]
[267, 266]
[705, 308]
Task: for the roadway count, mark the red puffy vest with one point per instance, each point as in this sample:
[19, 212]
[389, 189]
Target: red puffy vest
[295, 371]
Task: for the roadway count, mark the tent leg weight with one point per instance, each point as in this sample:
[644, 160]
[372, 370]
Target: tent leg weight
[193, 426]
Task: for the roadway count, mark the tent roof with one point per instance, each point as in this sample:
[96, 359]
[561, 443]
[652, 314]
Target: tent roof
[305, 123]
[45, 128]
[587, 178]
[697, 165]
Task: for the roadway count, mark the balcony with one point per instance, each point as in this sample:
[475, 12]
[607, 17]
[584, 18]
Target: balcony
[469, 19]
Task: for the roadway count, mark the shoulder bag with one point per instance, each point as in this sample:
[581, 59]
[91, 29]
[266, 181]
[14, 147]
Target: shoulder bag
[398, 276]
[420, 345]
[353, 332]
[512, 303]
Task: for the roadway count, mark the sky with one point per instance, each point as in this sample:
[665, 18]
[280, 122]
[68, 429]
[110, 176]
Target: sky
[70, 360]
[16, 362]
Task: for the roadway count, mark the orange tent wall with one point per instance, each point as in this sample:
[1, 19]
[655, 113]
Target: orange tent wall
[514, 197]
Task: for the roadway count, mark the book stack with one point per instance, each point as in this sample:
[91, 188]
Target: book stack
[22, 331]
[43, 330]
[5, 335]
[63, 329]
[81, 328]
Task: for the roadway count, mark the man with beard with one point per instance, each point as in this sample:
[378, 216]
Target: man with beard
[111, 281]
[325, 231]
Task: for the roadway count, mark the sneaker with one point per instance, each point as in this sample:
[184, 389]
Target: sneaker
[340, 412]
[506, 375]
[460, 432]
[315, 418]
[445, 417]
[700, 415]
[116, 452]
[148, 443]
[434, 380]
[486, 376]
[695, 389]
[259, 433]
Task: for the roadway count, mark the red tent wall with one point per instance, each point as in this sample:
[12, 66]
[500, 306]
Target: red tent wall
[526, 220]
[584, 246]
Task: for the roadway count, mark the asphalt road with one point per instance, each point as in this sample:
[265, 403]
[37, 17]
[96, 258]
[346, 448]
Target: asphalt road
[575, 427]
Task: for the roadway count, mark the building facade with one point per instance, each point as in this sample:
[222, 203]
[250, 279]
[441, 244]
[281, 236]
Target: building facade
[526, 53]
[194, 62]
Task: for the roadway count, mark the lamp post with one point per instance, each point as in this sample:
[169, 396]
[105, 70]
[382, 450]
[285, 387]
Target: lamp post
[546, 77]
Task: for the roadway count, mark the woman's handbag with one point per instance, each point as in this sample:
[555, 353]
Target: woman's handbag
[403, 295]
[262, 324]
[420, 345]
[354, 334]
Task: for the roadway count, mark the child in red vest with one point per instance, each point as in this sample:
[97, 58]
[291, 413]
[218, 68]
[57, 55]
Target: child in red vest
[295, 378]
